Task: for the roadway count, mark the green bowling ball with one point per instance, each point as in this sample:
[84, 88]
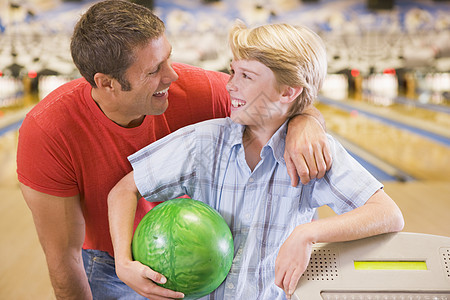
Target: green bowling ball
[188, 242]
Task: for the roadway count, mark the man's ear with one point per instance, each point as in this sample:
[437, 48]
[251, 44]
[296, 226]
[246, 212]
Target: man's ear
[104, 81]
[290, 94]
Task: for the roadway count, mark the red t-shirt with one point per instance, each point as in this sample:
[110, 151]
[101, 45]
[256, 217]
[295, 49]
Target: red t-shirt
[67, 146]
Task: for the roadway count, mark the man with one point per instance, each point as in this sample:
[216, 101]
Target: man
[73, 145]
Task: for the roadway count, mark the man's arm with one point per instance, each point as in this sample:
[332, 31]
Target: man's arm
[60, 226]
[307, 150]
[122, 202]
[379, 215]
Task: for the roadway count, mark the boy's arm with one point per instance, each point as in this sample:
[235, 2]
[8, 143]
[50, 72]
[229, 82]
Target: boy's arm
[379, 215]
[122, 202]
[307, 150]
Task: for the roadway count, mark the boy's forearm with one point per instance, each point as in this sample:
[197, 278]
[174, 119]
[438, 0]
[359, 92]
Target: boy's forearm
[379, 215]
[122, 202]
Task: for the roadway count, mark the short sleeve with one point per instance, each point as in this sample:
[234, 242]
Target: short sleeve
[42, 163]
[166, 168]
[347, 185]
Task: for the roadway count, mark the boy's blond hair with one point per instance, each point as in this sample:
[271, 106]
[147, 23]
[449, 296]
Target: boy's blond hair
[296, 56]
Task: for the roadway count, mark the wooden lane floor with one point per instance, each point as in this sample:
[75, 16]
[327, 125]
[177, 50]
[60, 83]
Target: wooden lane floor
[419, 156]
[425, 205]
[23, 271]
[431, 117]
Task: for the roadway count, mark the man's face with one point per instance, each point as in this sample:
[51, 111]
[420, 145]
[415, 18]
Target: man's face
[150, 77]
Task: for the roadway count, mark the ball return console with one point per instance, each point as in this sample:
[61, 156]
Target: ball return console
[393, 266]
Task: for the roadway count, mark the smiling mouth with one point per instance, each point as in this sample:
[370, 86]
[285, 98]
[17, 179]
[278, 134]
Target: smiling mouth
[161, 93]
[237, 103]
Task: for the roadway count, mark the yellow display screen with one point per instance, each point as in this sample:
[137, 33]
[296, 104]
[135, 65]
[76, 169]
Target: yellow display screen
[390, 265]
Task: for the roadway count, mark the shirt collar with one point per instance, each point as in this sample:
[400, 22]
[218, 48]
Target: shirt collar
[237, 131]
[276, 142]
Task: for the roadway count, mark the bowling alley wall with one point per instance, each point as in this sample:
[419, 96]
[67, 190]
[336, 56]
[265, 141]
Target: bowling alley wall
[378, 49]
[386, 54]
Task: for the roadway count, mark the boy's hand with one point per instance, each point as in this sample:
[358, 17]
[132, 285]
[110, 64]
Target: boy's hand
[143, 280]
[291, 262]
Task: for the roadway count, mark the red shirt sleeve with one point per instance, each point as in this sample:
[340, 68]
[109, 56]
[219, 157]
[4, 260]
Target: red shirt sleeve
[220, 96]
[42, 164]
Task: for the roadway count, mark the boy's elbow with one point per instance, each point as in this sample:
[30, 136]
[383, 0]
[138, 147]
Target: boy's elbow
[111, 197]
[115, 194]
[113, 191]
[398, 222]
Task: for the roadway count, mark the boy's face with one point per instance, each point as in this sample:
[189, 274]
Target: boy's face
[253, 94]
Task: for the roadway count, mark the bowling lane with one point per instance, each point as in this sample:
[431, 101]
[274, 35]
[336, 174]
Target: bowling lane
[380, 94]
[429, 117]
[410, 113]
[22, 267]
[418, 156]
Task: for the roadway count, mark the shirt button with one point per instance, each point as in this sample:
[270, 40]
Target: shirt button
[240, 251]
[251, 179]
[230, 286]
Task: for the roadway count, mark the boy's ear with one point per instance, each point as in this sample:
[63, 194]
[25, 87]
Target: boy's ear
[104, 81]
[290, 94]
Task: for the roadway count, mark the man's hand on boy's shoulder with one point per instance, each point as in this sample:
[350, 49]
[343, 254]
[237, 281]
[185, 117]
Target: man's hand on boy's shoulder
[307, 152]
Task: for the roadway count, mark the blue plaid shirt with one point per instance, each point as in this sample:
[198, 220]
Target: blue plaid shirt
[207, 162]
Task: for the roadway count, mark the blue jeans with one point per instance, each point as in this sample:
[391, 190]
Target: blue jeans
[101, 273]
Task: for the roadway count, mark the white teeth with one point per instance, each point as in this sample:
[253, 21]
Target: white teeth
[237, 103]
[161, 92]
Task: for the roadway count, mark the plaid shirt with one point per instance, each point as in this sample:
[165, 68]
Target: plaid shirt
[207, 162]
